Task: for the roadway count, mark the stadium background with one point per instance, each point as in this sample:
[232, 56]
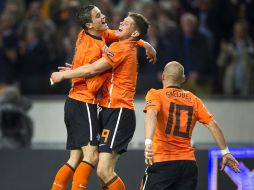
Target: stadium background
[38, 36]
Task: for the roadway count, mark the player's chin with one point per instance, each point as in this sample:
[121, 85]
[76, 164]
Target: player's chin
[104, 27]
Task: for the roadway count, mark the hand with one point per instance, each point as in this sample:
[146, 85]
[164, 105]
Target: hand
[66, 68]
[229, 160]
[56, 77]
[104, 49]
[149, 154]
[150, 53]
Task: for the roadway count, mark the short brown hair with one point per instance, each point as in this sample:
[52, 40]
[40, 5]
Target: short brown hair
[141, 24]
[84, 15]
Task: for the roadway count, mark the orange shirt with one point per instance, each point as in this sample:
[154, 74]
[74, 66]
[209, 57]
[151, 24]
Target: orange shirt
[89, 48]
[120, 87]
[178, 111]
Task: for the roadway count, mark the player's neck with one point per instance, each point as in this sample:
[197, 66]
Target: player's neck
[169, 83]
[97, 33]
[127, 39]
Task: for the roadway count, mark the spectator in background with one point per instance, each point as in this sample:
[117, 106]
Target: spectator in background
[236, 59]
[2, 4]
[126, 6]
[35, 17]
[8, 50]
[34, 60]
[16, 8]
[68, 43]
[44, 26]
[190, 47]
[54, 21]
[175, 7]
[203, 27]
[167, 23]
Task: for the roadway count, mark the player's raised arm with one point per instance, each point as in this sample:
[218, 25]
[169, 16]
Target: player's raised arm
[86, 71]
[112, 35]
[150, 51]
[228, 159]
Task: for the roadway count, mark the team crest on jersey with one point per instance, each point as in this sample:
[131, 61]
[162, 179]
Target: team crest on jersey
[110, 54]
[148, 102]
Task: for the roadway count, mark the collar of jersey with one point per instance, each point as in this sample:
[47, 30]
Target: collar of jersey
[173, 87]
[93, 36]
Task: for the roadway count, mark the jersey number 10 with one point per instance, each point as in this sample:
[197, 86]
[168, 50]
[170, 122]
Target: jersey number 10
[177, 117]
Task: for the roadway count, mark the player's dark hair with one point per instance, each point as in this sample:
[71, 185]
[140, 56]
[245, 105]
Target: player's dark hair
[141, 24]
[84, 15]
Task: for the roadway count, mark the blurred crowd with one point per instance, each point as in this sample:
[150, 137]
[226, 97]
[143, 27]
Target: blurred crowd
[213, 39]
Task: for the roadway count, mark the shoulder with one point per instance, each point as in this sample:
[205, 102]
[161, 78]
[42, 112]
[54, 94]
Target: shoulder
[153, 93]
[122, 46]
[195, 98]
[81, 32]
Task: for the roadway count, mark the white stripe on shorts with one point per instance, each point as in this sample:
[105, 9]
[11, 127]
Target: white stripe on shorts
[117, 124]
[90, 123]
[111, 87]
[144, 186]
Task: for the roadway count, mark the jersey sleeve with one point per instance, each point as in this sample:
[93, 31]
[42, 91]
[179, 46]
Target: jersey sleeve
[141, 43]
[110, 35]
[114, 55]
[203, 114]
[152, 101]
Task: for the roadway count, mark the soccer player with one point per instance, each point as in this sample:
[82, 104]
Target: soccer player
[117, 115]
[171, 114]
[83, 129]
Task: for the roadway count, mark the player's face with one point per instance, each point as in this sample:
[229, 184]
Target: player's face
[98, 20]
[126, 28]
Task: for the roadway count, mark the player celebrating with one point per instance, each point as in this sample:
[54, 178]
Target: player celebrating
[171, 114]
[117, 115]
[81, 105]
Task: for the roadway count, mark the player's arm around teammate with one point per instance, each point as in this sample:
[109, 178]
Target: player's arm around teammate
[118, 115]
[94, 26]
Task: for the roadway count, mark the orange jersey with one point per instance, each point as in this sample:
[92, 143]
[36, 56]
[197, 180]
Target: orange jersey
[178, 111]
[119, 88]
[89, 48]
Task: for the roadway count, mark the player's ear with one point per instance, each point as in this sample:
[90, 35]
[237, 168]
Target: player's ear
[89, 25]
[135, 34]
[183, 79]
[162, 77]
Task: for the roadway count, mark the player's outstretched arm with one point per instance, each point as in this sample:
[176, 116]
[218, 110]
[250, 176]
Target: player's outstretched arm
[86, 71]
[228, 159]
[150, 125]
[150, 51]
[112, 35]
